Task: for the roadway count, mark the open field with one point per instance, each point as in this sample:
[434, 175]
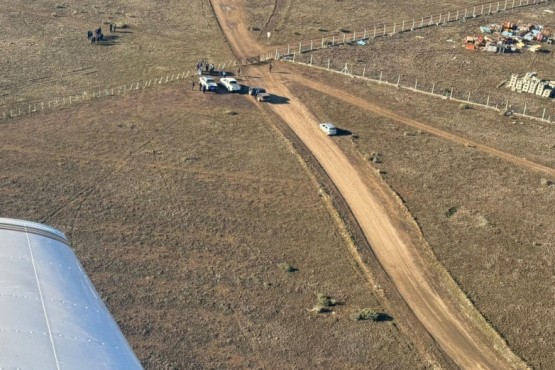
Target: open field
[291, 20]
[181, 205]
[181, 218]
[489, 222]
[45, 56]
[435, 56]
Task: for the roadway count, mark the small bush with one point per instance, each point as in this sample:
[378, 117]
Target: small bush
[368, 314]
[323, 300]
[451, 212]
[286, 267]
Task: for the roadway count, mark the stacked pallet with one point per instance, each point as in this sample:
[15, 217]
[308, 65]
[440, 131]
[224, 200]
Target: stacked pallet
[531, 84]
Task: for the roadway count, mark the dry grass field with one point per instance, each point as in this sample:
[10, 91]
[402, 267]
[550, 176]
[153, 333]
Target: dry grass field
[45, 52]
[489, 222]
[294, 20]
[436, 56]
[183, 207]
[181, 217]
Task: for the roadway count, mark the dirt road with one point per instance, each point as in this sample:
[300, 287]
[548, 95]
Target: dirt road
[374, 108]
[396, 240]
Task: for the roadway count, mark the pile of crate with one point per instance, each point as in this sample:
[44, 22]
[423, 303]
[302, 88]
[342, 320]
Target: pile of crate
[531, 84]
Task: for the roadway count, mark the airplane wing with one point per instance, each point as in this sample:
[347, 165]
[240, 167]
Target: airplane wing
[51, 316]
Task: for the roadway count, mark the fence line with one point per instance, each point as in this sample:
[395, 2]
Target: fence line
[489, 102]
[408, 25]
[67, 101]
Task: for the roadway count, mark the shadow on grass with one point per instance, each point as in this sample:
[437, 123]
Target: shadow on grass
[276, 99]
[341, 132]
[383, 317]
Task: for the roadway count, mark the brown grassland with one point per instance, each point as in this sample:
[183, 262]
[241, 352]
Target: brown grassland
[489, 222]
[184, 207]
[291, 20]
[435, 56]
[181, 217]
[45, 52]
[181, 205]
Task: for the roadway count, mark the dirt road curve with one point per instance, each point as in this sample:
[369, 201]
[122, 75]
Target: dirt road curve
[371, 107]
[436, 300]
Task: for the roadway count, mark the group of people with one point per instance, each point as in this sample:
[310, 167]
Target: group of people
[97, 36]
[205, 66]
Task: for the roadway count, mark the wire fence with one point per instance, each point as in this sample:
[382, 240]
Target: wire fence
[502, 104]
[390, 29]
[69, 100]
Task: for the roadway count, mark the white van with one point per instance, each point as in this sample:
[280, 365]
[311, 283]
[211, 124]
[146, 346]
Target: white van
[328, 128]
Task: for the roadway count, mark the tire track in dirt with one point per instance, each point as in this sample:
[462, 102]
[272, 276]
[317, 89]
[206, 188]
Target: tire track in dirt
[281, 6]
[449, 136]
[237, 177]
[440, 305]
[81, 197]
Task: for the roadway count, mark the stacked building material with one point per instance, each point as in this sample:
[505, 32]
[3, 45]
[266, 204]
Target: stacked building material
[531, 84]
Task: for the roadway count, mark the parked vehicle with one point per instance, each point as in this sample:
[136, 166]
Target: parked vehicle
[254, 91]
[262, 97]
[328, 128]
[208, 83]
[230, 84]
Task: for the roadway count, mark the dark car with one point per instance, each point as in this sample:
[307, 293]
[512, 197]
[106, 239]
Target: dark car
[254, 91]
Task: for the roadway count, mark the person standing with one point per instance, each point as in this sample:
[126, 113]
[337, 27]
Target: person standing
[270, 67]
[193, 86]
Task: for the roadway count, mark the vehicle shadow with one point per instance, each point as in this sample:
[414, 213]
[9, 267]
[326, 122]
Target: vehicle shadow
[341, 132]
[276, 99]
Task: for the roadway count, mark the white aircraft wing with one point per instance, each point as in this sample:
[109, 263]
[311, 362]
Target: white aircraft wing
[51, 316]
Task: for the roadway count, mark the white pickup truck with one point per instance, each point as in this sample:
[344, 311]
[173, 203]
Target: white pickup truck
[230, 84]
[208, 83]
